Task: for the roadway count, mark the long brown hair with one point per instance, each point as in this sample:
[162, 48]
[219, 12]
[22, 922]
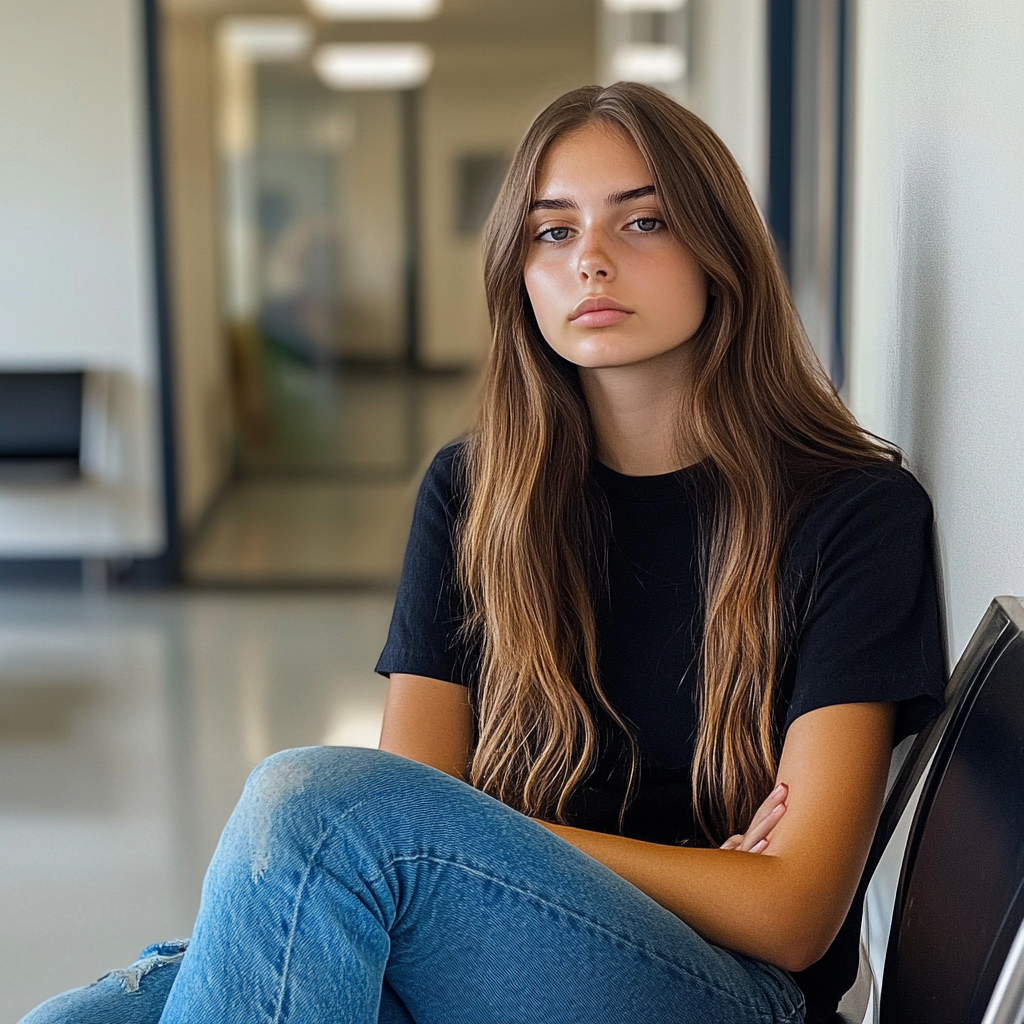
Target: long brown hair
[531, 540]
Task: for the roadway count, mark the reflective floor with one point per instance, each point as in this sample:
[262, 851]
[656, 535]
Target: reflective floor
[128, 724]
[326, 480]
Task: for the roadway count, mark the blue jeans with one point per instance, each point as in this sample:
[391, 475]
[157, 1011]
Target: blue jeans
[356, 886]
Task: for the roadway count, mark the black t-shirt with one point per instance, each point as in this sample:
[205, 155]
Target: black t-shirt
[857, 576]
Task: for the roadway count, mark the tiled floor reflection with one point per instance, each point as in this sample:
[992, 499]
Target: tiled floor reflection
[127, 727]
[326, 497]
[282, 531]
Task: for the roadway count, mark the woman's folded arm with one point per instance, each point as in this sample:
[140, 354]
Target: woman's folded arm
[786, 905]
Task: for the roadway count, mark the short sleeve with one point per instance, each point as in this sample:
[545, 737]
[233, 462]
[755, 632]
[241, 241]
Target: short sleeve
[423, 638]
[861, 567]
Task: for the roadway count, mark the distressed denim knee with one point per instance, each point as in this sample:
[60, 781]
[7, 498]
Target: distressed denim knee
[132, 995]
[295, 798]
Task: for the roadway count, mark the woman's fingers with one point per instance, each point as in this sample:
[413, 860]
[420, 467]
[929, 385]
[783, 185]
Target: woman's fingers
[759, 832]
[755, 839]
[775, 797]
[737, 843]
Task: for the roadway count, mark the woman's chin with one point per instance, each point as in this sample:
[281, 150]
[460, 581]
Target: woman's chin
[608, 354]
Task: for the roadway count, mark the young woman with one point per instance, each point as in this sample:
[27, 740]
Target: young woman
[663, 615]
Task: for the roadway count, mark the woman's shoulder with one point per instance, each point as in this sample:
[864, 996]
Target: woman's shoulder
[861, 513]
[861, 579]
[445, 467]
[444, 484]
[881, 493]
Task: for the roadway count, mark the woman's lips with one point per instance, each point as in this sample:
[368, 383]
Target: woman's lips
[600, 318]
[599, 313]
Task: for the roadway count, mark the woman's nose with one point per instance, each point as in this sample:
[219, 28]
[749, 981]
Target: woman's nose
[595, 263]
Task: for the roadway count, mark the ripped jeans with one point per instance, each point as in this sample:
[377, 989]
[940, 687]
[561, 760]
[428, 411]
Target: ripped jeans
[355, 886]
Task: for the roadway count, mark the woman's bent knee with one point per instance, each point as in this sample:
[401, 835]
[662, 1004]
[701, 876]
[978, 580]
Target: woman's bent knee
[296, 797]
[305, 777]
[339, 775]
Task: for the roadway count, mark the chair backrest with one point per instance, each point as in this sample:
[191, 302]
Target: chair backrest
[994, 631]
[1007, 1003]
[960, 898]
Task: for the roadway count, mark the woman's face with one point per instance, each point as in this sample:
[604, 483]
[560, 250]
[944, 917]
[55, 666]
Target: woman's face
[609, 284]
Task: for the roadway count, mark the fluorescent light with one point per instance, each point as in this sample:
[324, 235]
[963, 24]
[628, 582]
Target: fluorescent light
[375, 10]
[266, 38]
[644, 5]
[373, 65]
[651, 63]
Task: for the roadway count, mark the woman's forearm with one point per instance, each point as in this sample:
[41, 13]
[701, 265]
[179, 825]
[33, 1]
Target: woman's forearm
[787, 904]
[751, 903]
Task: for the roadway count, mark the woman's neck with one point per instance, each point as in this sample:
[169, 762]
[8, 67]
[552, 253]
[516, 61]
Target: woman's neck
[637, 412]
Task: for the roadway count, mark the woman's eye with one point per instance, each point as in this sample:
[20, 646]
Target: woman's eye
[646, 224]
[554, 234]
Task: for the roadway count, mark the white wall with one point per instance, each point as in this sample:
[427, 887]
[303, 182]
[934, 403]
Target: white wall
[727, 84]
[937, 289]
[75, 262]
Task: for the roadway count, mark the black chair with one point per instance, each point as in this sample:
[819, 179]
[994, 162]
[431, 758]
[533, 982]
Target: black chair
[960, 898]
[1007, 1003]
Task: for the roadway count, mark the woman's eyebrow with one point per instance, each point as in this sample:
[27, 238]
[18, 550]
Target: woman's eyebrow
[614, 199]
[630, 194]
[553, 204]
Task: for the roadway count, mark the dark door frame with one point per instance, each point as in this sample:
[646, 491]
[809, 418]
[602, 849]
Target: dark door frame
[809, 64]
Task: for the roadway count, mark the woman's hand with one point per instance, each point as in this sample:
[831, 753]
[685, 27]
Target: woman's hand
[768, 815]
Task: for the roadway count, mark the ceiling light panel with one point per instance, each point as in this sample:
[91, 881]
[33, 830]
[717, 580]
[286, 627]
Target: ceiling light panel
[650, 63]
[266, 39]
[644, 5]
[373, 65]
[375, 10]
